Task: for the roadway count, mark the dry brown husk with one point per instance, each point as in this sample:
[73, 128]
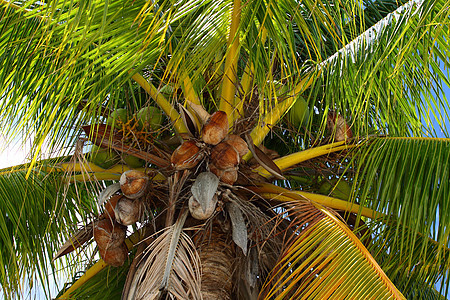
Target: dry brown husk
[109, 234]
[186, 156]
[134, 183]
[129, 211]
[216, 128]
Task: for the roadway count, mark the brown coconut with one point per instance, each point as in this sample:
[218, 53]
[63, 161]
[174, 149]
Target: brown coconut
[238, 144]
[216, 128]
[114, 256]
[224, 156]
[186, 156]
[128, 211]
[228, 176]
[110, 206]
[109, 234]
[133, 183]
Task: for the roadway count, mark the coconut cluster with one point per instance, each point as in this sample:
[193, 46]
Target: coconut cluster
[120, 211]
[225, 150]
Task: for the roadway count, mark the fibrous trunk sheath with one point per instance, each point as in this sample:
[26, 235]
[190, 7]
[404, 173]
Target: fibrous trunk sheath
[217, 254]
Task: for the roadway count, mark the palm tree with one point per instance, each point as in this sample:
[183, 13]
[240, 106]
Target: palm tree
[291, 157]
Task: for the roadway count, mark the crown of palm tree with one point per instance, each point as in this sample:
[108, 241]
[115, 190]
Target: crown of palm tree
[279, 149]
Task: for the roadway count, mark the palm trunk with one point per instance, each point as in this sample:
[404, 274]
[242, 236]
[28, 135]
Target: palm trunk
[217, 253]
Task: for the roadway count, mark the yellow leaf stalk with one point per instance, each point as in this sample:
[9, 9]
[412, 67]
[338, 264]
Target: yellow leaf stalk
[229, 79]
[298, 157]
[91, 272]
[259, 132]
[162, 102]
[270, 191]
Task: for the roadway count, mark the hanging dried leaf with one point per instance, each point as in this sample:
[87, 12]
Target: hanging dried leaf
[252, 268]
[204, 188]
[170, 265]
[239, 229]
[263, 159]
[108, 192]
[79, 239]
[201, 113]
[188, 121]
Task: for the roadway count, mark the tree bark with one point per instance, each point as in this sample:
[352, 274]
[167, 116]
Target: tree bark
[217, 254]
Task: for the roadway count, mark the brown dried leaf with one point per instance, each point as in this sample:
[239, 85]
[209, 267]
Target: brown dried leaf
[188, 121]
[101, 135]
[263, 159]
[79, 239]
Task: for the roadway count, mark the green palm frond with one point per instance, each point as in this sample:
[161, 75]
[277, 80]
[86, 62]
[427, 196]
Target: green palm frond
[325, 260]
[106, 284]
[87, 56]
[408, 180]
[380, 76]
[36, 214]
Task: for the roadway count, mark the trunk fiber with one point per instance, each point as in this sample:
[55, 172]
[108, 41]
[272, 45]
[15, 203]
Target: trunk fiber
[217, 254]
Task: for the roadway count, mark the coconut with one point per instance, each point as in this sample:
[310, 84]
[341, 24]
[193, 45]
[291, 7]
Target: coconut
[133, 161]
[224, 156]
[216, 128]
[149, 118]
[133, 183]
[109, 234]
[115, 257]
[298, 115]
[228, 176]
[128, 211]
[186, 156]
[104, 158]
[110, 206]
[342, 189]
[238, 144]
[120, 116]
[200, 213]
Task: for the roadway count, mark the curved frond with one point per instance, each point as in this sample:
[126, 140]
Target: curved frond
[408, 180]
[326, 260]
[383, 77]
[32, 211]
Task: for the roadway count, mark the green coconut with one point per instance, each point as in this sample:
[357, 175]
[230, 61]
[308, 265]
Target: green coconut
[103, 158]
[149, 118]
[120, 115]
[298, 115]
[341, 191]
[133, 161]
[167, 90]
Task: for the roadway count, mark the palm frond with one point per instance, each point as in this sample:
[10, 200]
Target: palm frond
[327, 260]
[33, 210]
[169, 265]
[382, 78]
[408, 180]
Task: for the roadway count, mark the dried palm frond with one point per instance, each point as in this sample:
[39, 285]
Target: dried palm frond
[169, 266]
